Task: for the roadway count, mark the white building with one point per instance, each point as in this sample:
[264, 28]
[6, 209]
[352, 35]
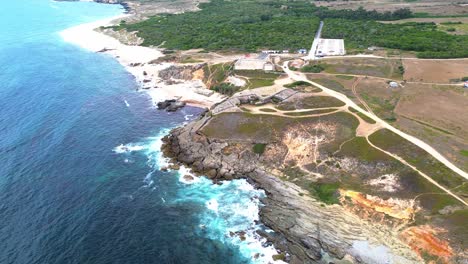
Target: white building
[330, 47]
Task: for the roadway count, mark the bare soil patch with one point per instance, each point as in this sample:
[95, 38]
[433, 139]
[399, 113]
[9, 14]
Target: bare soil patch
[448, 145]
[383, 68]
[436, 71]
[442, 107]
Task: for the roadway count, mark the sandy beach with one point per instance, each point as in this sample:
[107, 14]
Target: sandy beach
[136, 60]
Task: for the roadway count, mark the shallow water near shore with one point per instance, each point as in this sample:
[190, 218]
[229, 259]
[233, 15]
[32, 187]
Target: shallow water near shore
[80, 180]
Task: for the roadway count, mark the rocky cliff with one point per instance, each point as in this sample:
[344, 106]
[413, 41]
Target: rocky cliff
[306, 229]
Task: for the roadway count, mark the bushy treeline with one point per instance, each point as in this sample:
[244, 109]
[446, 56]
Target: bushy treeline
[226, 88]
[362, 14]
[252, 25]
[424, 38]
[232, 25]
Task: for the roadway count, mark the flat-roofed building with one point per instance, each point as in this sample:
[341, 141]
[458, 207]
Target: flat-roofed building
[330, 47]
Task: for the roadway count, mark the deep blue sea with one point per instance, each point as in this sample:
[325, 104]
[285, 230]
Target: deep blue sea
[79, 158]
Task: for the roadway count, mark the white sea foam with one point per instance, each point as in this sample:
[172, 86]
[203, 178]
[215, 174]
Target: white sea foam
[128, 148]
[232, 207]
[187, 117]
[232, 216]
[155, 157]
[186, 176]
[212, 205]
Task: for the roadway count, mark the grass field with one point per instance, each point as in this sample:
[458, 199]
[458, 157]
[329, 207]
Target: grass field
[258, 78]
[309, 102]
[364, 66]
[417, 157]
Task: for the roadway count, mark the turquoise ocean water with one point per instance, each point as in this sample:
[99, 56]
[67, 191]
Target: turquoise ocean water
[69, 192]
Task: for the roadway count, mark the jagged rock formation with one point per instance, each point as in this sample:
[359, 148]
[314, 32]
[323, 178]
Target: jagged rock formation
[180, 72]
[305, 228]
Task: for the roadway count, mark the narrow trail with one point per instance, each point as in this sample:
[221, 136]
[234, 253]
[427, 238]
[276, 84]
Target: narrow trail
[364, 103]
[301, 77]
[284, 113]
[389, 79]
[418, 171]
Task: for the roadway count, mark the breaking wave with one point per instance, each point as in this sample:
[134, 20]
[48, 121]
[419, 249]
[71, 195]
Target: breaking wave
[230, 209]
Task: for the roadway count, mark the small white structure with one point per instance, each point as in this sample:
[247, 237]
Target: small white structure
[465, 84]
[393, 84]
[330, 47]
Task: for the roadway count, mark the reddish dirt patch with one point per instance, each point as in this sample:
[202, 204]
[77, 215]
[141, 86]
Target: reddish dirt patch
[423, 240]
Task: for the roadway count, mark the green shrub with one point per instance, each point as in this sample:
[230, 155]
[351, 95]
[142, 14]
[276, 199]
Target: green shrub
[226, 88]
[326, 192]
[316, 68]
[401, 69]
[297, 83]
[259, 148]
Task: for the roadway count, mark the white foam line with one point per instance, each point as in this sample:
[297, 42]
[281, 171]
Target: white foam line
[135, 59]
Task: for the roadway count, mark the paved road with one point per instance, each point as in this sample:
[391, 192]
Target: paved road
[301, 77]
[314, 46]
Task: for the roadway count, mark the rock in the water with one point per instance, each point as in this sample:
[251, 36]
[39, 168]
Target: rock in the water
[170, 105]
[188, 178]
[175, 106]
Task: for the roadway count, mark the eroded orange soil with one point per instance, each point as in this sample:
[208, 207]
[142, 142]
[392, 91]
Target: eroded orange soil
[396, 208]
[424, 240]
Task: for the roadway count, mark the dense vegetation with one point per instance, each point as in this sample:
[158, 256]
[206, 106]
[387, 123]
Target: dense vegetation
[362, 14]
[247, 25]
[238, 25]
[421, 37]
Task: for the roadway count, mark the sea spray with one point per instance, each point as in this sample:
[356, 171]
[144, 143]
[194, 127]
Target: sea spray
[231, 214]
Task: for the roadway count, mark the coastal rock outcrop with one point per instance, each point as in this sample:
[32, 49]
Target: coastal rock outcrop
[304, 227]
[170, 105]
[180, 72]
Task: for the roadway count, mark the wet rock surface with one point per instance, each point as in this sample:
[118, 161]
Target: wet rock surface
[170, 105]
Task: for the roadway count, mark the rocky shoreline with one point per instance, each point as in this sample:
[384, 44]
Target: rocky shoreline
[306, 231]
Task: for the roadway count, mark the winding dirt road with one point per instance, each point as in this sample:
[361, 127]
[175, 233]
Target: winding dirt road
[301, 77]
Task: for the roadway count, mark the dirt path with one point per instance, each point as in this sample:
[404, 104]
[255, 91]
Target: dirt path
[389, 79]
[420, 172]
[284, 113]
[364, 103]
[368, 129]
[301, 77]
[390, 58]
